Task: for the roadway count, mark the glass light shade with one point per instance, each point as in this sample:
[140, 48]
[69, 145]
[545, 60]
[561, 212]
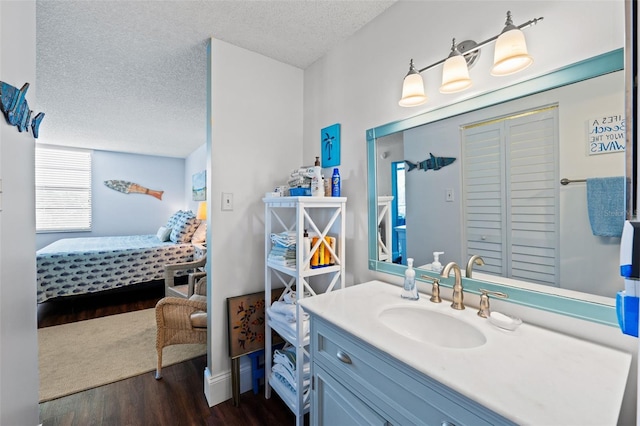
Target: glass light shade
[455, 75]
[202, 211]
[511, 53]
[412, 91]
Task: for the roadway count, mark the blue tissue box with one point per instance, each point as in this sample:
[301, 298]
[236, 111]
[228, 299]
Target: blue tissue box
[299, 192]
[627, 312]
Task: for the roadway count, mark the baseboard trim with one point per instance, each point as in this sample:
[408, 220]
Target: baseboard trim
[217, 388]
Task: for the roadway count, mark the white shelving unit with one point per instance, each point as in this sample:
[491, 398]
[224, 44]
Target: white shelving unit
[385, 251]
[322, 217]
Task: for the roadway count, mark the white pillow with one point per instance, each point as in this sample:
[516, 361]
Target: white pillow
[163, 233]
[200, 236]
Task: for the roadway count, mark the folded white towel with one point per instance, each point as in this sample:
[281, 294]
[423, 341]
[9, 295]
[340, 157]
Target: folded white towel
[289, 326]
[289, 311]
[287, 358]
[286, 374]
[285, 308]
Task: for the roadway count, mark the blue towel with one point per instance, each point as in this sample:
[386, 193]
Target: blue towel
[606, 205]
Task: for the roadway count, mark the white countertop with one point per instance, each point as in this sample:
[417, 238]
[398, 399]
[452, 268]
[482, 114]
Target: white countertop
[530, 376]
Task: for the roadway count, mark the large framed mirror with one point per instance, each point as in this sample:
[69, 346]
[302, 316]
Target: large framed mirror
[552, 127]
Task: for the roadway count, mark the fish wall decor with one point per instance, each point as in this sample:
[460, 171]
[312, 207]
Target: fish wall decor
[129, 187]
[16, 109]
[433, 163]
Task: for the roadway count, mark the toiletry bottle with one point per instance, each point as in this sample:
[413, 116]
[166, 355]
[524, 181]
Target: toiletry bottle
[436, 266]
[410, 290]
[316, 254]
[316, 181]
[327, 186]
[335, 183]
[307, 245]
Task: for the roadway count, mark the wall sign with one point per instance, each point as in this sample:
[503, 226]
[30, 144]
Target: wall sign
[330, 145]
[606, 134]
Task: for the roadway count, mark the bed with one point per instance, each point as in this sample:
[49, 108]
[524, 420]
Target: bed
[75, 266]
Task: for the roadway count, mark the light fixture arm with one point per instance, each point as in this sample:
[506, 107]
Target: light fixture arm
[508, 26]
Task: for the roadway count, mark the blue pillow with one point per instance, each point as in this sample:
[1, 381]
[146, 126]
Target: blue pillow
[163, 233]
[184, 227]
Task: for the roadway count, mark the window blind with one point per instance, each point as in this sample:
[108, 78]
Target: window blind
[63, 190]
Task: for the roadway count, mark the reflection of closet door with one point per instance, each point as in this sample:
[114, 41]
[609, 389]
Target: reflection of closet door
[483, 195]
[511, 195]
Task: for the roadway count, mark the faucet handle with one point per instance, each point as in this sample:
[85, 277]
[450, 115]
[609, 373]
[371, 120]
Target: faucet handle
[435, 288]
[485, 310]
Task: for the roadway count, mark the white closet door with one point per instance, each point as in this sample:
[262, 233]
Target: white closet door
[511, 197]
[483, 195]
[532, 208]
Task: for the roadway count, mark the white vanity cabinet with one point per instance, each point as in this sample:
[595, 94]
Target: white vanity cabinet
[368, 370]
[355, 383]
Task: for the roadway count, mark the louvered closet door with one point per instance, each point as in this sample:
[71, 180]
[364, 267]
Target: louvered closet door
[532, 189]
[510, 195]
[483, 195]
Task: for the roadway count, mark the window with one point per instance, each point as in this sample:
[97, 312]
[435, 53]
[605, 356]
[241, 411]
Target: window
[63, 190]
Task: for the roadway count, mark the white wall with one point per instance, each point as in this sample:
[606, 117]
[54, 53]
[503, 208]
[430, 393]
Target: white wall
[115, 213]
[18, 343]
[256, 133]
[358, 84]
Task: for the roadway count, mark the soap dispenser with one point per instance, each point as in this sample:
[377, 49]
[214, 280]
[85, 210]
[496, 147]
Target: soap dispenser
[410, 290]
[436, 266]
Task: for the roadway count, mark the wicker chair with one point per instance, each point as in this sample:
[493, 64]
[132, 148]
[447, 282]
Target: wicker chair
[181, 321]
[185, 290]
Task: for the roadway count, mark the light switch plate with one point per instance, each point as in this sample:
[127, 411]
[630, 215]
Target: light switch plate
[448, 195]
[227, 201]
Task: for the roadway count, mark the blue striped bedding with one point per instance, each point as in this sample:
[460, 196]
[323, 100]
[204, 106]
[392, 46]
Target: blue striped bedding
[73, 266]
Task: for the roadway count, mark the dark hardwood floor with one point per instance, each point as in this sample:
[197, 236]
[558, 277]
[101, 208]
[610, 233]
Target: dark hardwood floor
[177, 399]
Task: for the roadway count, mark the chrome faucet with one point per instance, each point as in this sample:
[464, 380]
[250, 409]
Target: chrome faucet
[458, 296]
[475, 259]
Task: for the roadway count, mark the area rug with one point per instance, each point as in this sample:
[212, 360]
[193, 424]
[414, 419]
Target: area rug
[86, 354]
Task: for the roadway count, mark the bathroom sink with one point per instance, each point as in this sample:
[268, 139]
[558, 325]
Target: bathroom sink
[432, 327]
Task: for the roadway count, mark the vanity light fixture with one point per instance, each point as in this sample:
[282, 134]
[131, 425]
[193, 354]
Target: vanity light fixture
[510, 56]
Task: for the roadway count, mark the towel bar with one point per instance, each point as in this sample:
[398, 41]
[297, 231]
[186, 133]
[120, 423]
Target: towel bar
[566, 181]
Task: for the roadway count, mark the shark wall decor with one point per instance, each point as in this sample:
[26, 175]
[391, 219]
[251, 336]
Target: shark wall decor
[16, 109]
[433, 163]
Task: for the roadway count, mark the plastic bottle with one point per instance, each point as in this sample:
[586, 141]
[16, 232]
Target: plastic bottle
[436, 266]
[316, 181]
[316, 254]
[335, 183]
[307, 245]
[410, 290]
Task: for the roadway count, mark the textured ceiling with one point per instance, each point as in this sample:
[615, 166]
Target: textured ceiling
[130, 76]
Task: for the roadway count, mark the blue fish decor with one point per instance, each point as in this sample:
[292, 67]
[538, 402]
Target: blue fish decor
[16, 109]
[433, 163]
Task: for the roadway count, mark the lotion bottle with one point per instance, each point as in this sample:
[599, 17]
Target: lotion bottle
[317, 188]
[410, 290]
[436, 266]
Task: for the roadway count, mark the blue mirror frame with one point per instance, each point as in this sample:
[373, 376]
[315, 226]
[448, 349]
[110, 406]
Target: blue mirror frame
[583, 70]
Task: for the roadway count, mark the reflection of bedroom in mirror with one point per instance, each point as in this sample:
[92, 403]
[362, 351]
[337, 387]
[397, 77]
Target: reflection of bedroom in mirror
[502, 198]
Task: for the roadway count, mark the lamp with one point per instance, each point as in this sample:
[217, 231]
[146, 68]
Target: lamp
[412, 88]
[202, 211]
[510, 57]
[455, 73]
